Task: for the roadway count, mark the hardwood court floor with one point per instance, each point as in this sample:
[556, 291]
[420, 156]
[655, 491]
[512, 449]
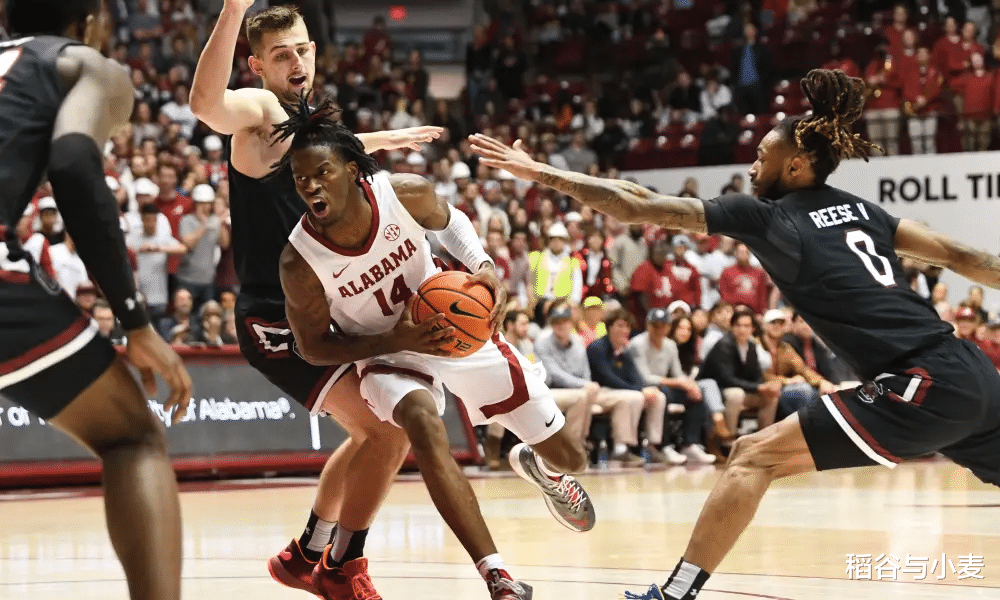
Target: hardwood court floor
[53, 544]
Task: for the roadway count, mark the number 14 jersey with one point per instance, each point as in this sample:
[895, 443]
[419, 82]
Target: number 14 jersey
[832, 256]
[367, 288]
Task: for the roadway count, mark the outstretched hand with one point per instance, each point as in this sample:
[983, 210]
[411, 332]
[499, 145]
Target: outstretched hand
[412, 137]
[501, 156]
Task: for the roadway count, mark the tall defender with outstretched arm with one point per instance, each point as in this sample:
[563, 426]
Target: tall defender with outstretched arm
[264, 210]
[835, 257]
[59, 102]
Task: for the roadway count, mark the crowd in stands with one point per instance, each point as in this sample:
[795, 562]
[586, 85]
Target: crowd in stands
[669, 338]
[702, 82]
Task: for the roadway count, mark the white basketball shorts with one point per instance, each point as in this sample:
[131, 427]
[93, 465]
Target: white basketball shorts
[496, 384]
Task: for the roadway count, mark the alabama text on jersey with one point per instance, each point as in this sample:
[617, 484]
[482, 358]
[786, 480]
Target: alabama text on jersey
[367, 288]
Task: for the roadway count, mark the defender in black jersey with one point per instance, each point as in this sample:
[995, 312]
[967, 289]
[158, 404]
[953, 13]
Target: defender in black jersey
[264, 211]
[59, 100]
[834, 256]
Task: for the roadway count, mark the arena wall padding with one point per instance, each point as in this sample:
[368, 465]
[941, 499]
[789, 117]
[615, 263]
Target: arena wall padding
[237, 424]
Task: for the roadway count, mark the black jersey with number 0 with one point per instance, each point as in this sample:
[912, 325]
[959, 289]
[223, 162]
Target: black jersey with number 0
[264, 213]
[831, 255]
[30, 96]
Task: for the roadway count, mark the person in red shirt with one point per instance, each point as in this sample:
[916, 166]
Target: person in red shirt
[745, 284]
[596, 267]
[653, 284]
[966, 323]
[975, 97]
[687, 276]
[216, 168]
[173, 205]
[922, 94]
[947, 51]
[496, 248]
[376, 40]
[905, 58]
[968, 45]
[893, 33]
[991, 344]
[882, 107]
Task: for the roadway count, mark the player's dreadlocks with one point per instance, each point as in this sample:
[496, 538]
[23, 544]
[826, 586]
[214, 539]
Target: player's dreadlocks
[837, 101]
[321, 126]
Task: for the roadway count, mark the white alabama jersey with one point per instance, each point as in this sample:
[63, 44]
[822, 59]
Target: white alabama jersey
[367, 288]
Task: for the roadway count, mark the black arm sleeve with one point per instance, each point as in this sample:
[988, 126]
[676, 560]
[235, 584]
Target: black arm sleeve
[91, 216]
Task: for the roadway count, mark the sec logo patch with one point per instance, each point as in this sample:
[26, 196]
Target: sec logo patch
[392, 232]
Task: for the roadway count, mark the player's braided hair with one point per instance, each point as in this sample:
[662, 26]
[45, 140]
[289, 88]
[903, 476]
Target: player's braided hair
[837, 101]
[320, 126]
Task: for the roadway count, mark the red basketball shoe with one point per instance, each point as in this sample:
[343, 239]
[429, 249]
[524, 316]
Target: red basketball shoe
[291, 568]
[349, 582]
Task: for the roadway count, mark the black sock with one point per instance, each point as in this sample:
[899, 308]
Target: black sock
[315, 537]
[685, 582]
[347, 546]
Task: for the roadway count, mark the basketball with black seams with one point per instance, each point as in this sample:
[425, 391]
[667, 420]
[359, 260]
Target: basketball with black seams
[465, 306]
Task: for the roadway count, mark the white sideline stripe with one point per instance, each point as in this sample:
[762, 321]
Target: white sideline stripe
[911, 390]
[59, 354]
[854, 435]
[317, 408]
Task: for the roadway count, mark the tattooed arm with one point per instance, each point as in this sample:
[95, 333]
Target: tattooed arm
[626, 201]
[917, 241]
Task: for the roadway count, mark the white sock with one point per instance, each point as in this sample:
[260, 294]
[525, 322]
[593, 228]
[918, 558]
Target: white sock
[320, 536]
[340, 541]
[620, 448]
[683, 580]
[488, 563]
[545, 469]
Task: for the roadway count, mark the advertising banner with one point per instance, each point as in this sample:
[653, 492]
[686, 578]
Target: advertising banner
[237, 421]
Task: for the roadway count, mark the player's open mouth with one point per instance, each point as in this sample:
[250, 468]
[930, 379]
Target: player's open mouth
[320, 208]
[298, 80]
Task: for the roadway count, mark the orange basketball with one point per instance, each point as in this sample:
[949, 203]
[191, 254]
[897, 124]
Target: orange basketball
[467, 309]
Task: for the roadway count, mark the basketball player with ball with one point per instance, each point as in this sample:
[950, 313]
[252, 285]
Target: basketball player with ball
[349, 274]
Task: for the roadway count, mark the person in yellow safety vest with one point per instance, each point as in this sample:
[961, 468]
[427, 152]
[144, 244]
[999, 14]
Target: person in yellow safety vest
[555, 273]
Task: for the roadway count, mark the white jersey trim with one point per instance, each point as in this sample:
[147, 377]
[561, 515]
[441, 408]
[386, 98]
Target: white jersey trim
[858, 441]
[59, 354]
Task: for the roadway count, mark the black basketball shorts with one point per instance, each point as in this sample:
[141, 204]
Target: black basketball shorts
[50, 350]
[267, 343]
[945, 399]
